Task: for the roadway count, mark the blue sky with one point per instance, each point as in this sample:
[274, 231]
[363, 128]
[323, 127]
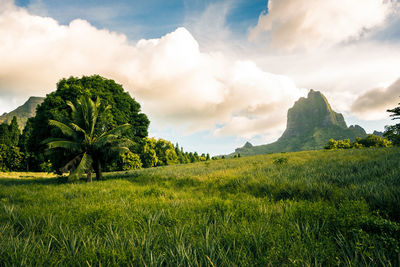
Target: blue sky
[144, 19]
[218, 73]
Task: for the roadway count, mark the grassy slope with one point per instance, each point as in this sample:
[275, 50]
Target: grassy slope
[321, 208]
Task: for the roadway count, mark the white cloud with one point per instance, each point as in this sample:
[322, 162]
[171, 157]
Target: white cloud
[176, 83]
[307, 24]
[342, 73]
[374, 103]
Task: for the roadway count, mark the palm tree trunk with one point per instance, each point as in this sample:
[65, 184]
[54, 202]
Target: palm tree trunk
[99, 175]
[89, 176]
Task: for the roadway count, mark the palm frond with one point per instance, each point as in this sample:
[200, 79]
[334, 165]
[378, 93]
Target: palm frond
[77, 128]
[117, 130]
[94, 114]
[120, 150]
[75, 114]
[73, 109]
[66, 144]
[65, 129]
[52, 139]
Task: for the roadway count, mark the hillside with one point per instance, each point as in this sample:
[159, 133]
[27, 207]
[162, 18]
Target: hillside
[311, 122]
[27, 110]
[321, 208]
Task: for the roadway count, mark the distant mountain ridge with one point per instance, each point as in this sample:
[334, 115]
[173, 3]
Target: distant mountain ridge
[27, 110]
[311, 122]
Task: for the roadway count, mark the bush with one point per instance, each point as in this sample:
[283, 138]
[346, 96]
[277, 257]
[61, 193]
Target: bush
[131, 161]
[11, 158]
[281, 161]
[332, 144]
[374, 141]
[344, 144]
[369, 141]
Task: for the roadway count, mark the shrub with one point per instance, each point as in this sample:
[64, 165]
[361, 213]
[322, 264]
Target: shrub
[281, 161]
[369, 141]
[131, 161]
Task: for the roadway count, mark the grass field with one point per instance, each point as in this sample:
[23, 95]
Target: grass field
[318, 208]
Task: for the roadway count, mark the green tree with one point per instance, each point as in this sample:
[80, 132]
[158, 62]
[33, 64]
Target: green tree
[11, 158]
[392, 132]
[130, 161]
[372, 140]
[196, 156]
[124, 109]
[87, 144]
[344, 144]
[3, 157]
[14, 132]
[191, 157]
[4, 134]
[165, 152]
[148, 153]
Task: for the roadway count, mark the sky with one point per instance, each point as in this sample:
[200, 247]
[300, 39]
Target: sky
[210, 74]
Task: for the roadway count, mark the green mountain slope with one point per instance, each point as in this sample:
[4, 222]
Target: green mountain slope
[311, 122]
[27, 110]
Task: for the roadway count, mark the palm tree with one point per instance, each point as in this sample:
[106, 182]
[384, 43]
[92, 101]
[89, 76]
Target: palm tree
[86, 139]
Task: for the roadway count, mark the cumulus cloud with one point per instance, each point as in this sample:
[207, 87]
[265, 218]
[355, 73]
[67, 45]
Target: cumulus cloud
[342, 72]
[175, 81]
[374, 103]
[307, 24]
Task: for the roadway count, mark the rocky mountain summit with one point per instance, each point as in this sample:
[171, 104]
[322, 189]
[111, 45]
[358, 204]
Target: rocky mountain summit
[311, 122]
[310, 113]
[27, 110]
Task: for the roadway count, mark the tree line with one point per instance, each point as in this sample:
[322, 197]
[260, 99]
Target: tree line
[74, 120]
[369, 141]
[11, 156]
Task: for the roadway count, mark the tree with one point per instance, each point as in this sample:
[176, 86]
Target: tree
[370, 140]
[130, 161]
[392, 132]
[165, 152]
[124, 109]
[14, 132]
[4, 134]
[10, 158]
[9, 134]
[373, 141]
[344, 144]
[148, 154]
[86, 139]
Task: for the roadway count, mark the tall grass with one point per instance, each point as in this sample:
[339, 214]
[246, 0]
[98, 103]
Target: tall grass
[318, 208]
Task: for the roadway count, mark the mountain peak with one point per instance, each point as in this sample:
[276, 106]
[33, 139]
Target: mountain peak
[311, 122]
[246, 146]
[310, 113]
[27, 110]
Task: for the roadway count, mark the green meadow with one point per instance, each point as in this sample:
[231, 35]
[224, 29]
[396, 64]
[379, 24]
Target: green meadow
[315, 208]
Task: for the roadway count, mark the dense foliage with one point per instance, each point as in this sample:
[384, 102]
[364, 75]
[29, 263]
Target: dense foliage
[88, 143]
[160, 152]
[27, 151]
[11, 157]
[392, 132]
[370, 140]
[124, 109]
[318, 208]
[9, 133]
